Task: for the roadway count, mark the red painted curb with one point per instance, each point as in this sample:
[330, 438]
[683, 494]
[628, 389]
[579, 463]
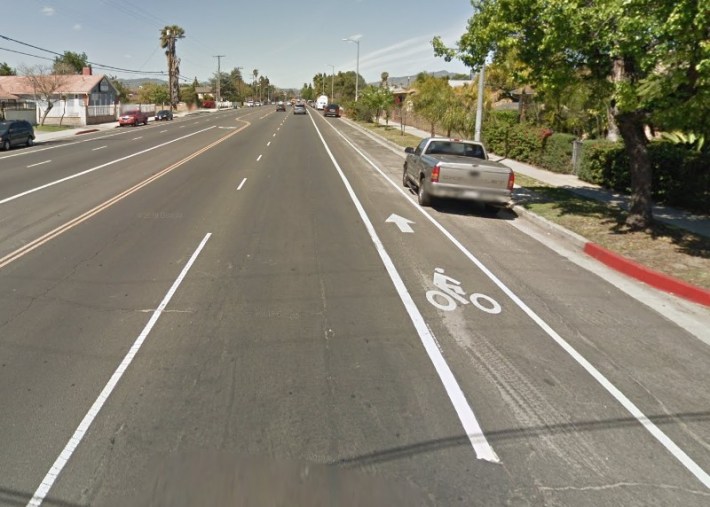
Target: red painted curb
[653, 278]
[86, 131]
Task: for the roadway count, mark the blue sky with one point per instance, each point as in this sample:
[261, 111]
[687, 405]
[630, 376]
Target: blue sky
[287, 40]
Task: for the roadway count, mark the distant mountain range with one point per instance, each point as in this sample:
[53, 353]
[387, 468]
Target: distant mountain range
[394, 81]
[403, 81]
[135, 83]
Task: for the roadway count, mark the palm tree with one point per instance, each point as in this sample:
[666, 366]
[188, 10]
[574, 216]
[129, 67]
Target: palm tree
[384, 77]
[255, 75]
[168, 36]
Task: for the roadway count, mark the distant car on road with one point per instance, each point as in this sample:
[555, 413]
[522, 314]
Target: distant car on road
[332, 110]
[15, 133]
[299, 109]
[281, 107]
[164, 115]
[133, 118]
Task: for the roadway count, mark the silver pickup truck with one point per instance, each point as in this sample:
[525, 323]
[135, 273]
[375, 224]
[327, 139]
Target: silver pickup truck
[442, 167]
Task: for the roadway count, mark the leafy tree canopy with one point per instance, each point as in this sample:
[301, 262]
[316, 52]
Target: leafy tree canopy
[70, 63]
[654, 54]
[6, 70]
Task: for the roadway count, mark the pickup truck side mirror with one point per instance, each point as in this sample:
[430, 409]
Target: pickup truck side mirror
[409, 149]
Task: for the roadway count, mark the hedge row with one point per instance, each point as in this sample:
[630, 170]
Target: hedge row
[504, 135]
[681, 176]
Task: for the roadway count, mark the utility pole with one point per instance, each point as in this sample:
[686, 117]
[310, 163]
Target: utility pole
[219, 78]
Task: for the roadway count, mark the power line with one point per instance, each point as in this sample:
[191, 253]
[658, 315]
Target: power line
[94, 64]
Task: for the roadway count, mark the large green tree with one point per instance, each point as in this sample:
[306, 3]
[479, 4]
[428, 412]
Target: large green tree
[654, 54]
[6, 70]
[432, 99]
[70, 63]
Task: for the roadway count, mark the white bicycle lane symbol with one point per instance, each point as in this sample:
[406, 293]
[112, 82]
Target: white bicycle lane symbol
[451, 292]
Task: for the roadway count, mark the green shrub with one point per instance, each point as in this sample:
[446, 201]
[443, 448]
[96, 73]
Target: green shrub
[605, 164]
[557, 153]
[503, 135]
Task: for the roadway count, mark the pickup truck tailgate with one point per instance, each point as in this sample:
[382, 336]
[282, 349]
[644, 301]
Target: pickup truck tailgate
[480, 174]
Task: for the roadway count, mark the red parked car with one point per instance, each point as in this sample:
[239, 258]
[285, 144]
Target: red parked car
[134, 118]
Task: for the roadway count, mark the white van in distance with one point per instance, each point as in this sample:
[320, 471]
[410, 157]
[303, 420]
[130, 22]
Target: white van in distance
[322, 102]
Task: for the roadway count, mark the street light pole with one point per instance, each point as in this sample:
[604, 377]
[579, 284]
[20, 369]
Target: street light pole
[479, 104]
[357, 64]
[332, 81]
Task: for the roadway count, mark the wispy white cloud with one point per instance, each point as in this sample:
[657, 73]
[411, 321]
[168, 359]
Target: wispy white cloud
[412, 53]
[48, 11]
[77, 27]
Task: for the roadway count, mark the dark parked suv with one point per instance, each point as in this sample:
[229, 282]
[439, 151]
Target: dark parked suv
[15, 133]
[332, 110]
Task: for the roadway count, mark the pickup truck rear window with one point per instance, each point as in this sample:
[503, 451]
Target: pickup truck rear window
[454, 148]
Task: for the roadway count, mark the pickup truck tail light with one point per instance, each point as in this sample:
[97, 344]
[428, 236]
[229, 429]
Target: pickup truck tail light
[511, 181]
[435, 173]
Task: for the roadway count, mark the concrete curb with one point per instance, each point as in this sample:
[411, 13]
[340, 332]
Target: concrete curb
[611, 259]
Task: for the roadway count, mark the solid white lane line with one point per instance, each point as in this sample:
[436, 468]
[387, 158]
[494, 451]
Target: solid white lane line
[464, 411]
[100, 148]
[76, 175]
[642, 418]
[242, 184]
[259, 158]
[39, 163]
[88, 419]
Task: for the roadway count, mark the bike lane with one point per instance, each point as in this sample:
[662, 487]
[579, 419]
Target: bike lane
[561, 428]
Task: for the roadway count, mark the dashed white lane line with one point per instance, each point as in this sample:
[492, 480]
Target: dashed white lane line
[259, 158]
[100, 148]
[242, 184]
[56, 469]
[163, 131]
[39, 163]
[136, 138]
[268, 144]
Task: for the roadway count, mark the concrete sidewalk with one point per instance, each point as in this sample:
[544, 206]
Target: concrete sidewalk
[698, 224]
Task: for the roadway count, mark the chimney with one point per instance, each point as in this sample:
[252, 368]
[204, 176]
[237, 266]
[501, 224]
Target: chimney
[86, 71]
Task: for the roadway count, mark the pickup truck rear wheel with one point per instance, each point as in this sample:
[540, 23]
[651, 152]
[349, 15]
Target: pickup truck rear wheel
[423, 196]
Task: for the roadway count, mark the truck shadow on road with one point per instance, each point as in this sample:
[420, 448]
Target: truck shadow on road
[406, 451]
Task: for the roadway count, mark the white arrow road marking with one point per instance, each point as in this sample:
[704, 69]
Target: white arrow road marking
[400, 222]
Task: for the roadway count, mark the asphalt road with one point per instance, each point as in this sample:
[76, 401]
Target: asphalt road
[231, 309]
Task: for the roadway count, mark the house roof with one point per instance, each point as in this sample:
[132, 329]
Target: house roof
[21, 85]
[6, 95]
